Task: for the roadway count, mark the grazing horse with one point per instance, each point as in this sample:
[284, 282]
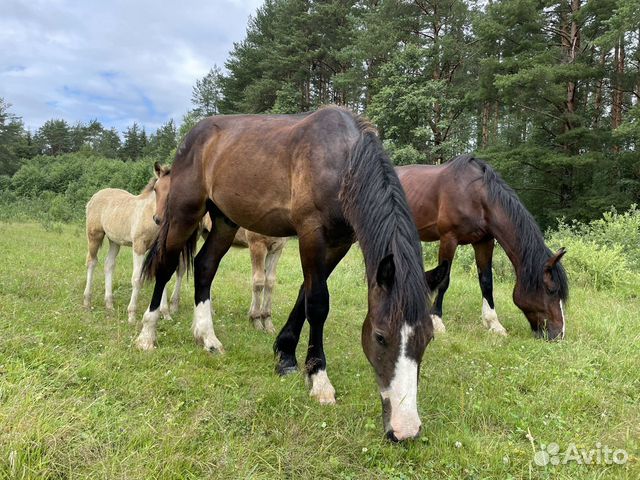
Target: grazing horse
[324, 177]
[265, 252]
[125, 219]
[464, 202]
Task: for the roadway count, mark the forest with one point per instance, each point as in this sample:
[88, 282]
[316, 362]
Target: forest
[548, 92]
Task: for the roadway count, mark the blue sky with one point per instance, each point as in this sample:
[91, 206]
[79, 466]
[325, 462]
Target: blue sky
[118, 61]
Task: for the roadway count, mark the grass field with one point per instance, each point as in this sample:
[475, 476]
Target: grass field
[77, 400]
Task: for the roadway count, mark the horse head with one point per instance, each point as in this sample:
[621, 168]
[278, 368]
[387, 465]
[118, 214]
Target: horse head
[394, 349]
[544, 307]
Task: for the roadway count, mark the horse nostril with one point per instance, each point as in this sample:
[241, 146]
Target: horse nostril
[156, 219]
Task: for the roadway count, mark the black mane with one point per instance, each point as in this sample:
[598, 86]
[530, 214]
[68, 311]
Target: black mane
[533, 251]
[376, 207]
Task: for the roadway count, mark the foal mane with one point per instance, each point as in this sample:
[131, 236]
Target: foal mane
[149, 186]
[375, 205]
[533, 251]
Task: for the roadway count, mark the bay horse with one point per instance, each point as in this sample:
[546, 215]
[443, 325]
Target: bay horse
[465, 201]
[125, 219]
[324, 177]
[265, 252]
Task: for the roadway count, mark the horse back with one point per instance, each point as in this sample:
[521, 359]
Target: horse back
[444, 202]
[123, 217]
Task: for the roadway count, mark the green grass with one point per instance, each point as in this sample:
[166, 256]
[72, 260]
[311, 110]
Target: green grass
[78, 400]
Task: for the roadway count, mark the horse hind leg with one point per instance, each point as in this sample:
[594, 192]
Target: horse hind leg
[271, 264]
[94, 242]
[258, 252]
[448, 245]
[484, 255]
[109, 268]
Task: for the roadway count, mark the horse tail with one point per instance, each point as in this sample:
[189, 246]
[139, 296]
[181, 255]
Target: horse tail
[156, 256]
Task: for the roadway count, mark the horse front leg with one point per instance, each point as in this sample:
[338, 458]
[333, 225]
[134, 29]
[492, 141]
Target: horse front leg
[109, 268]
[148, 335]
[484, 256]
[179, 233]
[317, 309]
[205, 267]
[136, 284]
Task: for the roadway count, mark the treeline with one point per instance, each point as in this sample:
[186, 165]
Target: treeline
[58, 137]
[547, 92]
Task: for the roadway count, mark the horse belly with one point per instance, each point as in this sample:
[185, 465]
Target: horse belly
[271, 219]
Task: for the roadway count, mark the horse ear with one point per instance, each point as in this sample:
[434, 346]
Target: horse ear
[386, 272]
[436, 277]
[555, 259]
[157, 169]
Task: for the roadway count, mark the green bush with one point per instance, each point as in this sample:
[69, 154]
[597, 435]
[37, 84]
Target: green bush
[603, 254]
[56, 189]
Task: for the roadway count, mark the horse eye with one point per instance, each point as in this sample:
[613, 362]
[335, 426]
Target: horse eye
[380, 339]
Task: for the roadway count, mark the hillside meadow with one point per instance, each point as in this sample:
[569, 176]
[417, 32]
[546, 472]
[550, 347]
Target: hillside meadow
[77, 400]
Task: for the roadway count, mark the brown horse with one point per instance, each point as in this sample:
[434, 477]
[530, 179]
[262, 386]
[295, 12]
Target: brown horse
[325, 178]
[466, 202]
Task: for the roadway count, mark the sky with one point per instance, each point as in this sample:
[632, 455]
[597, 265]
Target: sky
[118, 61]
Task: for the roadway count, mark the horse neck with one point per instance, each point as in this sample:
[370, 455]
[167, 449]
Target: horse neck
[507, 233]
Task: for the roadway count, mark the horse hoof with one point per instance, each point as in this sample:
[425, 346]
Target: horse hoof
[145, 344]
[257, 324]
[268, 326]
[284, 370]
[166, 315]
[132, 319]
[321, 388]
[498, 330]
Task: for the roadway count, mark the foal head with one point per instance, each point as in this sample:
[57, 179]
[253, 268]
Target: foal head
[161, 189]
[394, 341]
[544, 306]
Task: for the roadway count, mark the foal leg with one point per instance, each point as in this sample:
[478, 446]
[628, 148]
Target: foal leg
[136, 284]
[272, 263]
[175, 296]
[94, 241]
[109, 267]
[205, 266]
[484, 255]
[258, 252]
[447, 251]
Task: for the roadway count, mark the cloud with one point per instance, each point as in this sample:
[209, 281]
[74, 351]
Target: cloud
[117, 61]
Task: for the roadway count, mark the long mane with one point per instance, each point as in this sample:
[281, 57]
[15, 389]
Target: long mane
[376, 207]
[533, 251]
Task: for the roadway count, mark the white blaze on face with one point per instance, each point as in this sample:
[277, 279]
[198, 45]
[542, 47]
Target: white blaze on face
[562, 313]
[402, 392]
